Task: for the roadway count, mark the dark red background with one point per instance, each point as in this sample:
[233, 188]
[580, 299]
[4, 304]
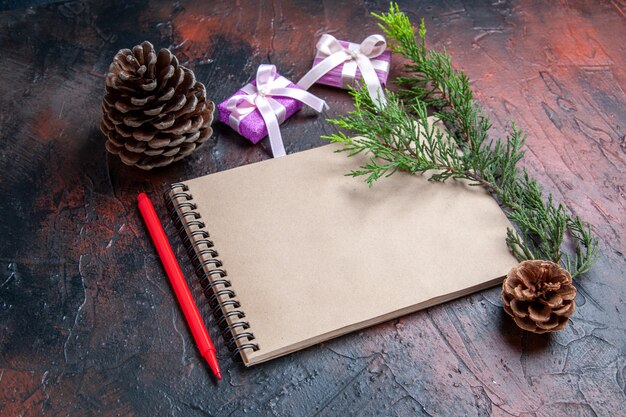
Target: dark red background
[89, 323]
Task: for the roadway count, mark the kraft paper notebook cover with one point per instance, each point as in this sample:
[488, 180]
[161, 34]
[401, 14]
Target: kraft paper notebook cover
[294, 252]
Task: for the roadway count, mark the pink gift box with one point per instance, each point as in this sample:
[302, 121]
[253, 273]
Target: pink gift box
[333, 77]
[252, 126]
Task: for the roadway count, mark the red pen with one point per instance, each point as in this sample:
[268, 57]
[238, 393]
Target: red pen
[177, 279]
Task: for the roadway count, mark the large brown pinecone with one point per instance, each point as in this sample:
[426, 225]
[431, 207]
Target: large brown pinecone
[154, 112]
[539, 295]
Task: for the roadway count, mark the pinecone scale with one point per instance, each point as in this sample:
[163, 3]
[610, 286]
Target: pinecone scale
[154, 111]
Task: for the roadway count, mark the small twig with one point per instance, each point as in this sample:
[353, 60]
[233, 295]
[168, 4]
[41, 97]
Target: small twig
[400, 138]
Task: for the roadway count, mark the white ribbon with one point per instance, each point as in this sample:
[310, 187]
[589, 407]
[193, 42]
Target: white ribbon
[273, 113]
[361, 56]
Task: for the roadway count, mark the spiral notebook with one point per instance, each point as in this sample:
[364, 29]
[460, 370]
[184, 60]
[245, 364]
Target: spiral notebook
[292, 252]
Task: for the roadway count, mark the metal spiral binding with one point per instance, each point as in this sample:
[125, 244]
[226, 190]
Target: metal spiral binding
[204, 258]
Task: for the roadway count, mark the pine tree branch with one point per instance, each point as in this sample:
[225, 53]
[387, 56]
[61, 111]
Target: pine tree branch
[400, 138]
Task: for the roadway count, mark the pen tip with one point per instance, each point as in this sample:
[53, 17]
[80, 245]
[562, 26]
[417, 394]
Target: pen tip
[212, 361]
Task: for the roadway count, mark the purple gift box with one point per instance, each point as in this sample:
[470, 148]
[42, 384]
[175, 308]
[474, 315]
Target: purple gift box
[252, 126]
[333, 77]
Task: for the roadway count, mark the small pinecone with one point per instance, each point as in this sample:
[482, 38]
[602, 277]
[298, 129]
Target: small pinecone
[539, 295]
[154, 112]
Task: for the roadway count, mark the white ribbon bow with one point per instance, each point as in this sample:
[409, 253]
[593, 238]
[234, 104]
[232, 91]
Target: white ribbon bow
[273, 113]
[354, 56]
